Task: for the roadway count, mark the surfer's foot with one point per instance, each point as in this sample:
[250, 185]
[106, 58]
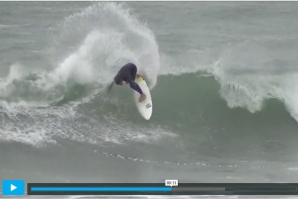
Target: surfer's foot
[142, 98]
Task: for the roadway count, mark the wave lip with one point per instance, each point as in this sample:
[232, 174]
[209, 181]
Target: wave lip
[249, 73]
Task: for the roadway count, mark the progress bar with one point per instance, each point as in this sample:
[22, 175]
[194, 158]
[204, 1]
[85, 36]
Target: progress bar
[161, 189]
[101, 189]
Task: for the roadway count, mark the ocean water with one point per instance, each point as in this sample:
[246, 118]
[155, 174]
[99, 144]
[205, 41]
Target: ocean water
[223, 78]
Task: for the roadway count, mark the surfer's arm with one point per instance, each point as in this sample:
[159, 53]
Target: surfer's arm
[135, 86]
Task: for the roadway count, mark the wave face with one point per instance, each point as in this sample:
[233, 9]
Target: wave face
[250, 73]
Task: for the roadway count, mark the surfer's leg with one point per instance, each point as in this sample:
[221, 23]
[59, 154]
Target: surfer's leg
[133, 71]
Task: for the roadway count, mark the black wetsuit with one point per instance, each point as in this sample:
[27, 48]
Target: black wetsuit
[128, 74]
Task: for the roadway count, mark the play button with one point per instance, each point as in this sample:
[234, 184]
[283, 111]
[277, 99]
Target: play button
[12, 187]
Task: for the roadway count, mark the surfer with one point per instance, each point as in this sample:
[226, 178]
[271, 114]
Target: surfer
[127, 75]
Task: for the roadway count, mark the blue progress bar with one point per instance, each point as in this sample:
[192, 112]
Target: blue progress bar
[101, 188]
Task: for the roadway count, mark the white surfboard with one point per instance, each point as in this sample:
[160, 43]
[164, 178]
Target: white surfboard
[144, 107]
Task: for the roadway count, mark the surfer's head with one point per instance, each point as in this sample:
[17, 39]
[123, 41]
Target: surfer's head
[118, 80]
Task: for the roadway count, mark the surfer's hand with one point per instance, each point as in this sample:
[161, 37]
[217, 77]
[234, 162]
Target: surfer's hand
[142, 98]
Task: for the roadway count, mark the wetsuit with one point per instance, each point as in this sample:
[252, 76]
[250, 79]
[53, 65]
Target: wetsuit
[128, 74]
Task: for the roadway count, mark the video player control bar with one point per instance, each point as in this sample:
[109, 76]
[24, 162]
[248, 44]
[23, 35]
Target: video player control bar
[162, 189]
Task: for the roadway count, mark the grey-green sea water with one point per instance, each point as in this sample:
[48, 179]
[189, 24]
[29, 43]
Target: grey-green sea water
[223, 79]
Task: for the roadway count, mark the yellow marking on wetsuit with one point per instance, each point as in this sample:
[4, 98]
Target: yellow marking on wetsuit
[139, 78]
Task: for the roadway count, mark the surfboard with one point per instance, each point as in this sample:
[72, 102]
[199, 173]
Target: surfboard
[144, 107]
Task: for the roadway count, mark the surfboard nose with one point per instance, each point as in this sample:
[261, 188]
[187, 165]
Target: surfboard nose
[144, 107]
